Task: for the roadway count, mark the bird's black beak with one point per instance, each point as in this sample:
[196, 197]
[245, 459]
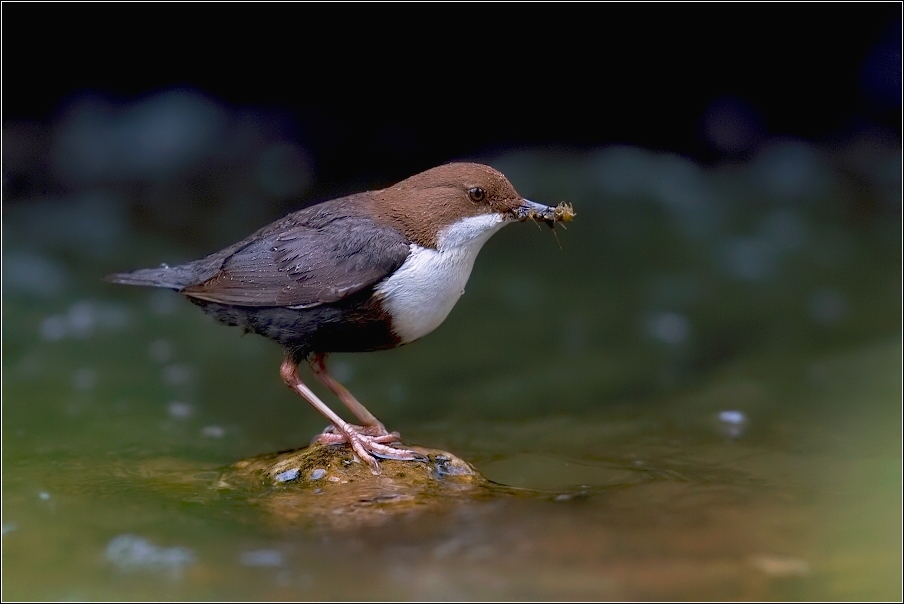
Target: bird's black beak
[531, 210]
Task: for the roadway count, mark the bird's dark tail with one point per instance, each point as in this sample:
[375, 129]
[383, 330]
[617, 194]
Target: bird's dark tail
[169, 277]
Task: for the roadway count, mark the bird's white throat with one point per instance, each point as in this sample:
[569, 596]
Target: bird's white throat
[422, 292]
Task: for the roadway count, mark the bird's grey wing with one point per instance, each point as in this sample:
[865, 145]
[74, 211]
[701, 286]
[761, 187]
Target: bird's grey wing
[306, 264]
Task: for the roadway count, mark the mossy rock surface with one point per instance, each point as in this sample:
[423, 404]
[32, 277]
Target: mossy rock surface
[328, 484]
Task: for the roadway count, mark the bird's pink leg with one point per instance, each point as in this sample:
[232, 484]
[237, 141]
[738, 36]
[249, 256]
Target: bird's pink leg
[364, 445]
[372, 426]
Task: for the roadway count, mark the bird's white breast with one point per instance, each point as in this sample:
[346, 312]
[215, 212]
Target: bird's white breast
[422, 292]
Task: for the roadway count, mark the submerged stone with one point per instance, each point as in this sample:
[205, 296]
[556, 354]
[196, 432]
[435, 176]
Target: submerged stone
[287, 476]
[131, 552]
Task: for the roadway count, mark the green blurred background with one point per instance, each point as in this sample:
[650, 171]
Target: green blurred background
[709, 357]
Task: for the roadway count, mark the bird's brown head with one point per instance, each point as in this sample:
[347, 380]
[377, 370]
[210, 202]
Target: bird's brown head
[454, 204]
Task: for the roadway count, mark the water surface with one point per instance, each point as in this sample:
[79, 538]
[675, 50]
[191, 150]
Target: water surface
[696, 392]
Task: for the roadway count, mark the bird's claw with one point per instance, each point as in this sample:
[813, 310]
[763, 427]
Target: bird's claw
[377, 431]
[368, 443]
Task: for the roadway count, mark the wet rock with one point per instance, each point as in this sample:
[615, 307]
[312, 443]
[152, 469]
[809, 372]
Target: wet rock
[329, 485]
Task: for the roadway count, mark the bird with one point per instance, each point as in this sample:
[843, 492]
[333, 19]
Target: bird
[365, 272]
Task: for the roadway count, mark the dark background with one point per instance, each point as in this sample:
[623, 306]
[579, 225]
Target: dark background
[375, 93]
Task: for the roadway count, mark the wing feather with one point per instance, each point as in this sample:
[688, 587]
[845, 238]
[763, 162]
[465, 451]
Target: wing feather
[307, 263]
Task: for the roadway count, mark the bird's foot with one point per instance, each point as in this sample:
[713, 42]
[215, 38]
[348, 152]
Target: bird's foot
[377, 430]
[332, 435]
[368, 443]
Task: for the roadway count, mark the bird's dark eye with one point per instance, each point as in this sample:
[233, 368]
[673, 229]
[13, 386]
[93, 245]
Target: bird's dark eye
[477, 194]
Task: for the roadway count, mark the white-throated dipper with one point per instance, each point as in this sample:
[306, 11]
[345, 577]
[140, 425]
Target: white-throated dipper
[369, 271]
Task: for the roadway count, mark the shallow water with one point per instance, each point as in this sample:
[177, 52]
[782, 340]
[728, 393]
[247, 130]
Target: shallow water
[805, 506]
[687, 412]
